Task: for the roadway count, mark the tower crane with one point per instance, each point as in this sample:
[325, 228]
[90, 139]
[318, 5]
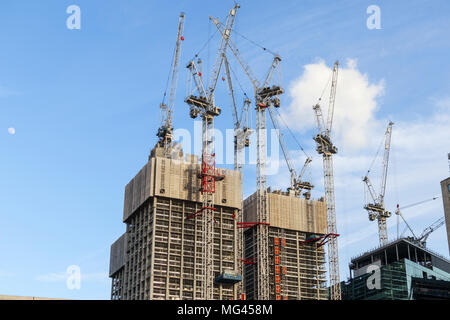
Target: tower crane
[265, 96]
[204, 105]
[398, 212]
[166, 127]
[297, 184]
[377, 209]
[325, 147]
[242, 133]
[422, 238]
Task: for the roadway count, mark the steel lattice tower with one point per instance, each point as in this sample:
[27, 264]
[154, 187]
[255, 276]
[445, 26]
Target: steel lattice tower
[326, 148]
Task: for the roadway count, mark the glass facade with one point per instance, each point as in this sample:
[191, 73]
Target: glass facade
[395, 282]
[393, 285]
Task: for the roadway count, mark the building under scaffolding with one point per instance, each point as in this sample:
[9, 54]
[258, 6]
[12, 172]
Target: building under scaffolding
[160, 255]
[405, 270]
[297, 233]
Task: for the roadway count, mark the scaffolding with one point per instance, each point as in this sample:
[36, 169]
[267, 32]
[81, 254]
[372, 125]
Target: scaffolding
[296, 267]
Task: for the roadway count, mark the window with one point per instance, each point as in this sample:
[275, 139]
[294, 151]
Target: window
[448, 187]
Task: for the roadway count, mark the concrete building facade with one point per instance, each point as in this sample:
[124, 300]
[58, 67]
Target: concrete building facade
[160, 254]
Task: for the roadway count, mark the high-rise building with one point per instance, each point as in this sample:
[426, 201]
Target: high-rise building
[160, 254]
[445, 187]
[297, 233]
[400, 270]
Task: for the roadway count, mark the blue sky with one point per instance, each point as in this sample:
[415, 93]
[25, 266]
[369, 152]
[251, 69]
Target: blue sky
[84, 106]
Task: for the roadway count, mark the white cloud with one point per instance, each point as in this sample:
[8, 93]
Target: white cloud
[356, 102]
[12, 131]
[418, 159]
[417, 165]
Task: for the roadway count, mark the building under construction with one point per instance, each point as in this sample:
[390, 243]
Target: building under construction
[188, 232]
[160, 254]
[297, 229]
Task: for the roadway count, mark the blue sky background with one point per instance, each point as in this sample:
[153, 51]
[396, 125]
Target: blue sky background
[84, 104]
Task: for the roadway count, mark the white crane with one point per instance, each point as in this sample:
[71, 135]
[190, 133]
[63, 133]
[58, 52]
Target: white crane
[242, 133]
[297, 183]
[204, 105]
[325, 147]
[265, 96]
[166, 127]
[376, 209]
[422, 238]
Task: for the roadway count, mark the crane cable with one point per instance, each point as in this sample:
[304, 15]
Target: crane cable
[309, 170]
[376, 155]
[168, 76]
[325, 87]
[205, 45]
[237, 80]
[292, 134]
[255, 43]
[366, 188]
[413, 205]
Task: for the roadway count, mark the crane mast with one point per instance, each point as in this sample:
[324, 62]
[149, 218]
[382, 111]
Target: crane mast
[377, 209]
[204, 105]
[241, 140]
[265, 97]
[326, 148]
[166, 127]
[387, 148]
